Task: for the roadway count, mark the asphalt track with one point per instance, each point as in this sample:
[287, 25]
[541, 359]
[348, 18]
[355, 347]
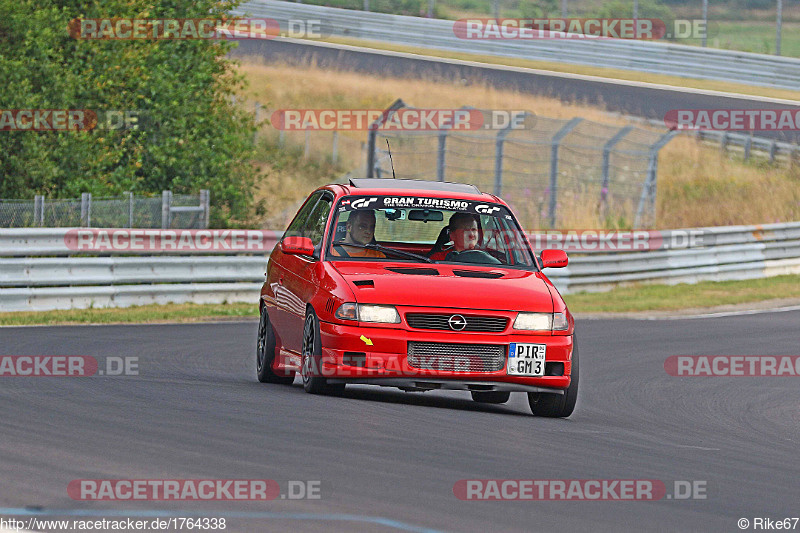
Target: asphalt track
[631, 98]
[388, 460]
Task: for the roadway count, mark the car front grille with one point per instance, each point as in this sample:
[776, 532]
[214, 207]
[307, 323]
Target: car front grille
[456, 357]
[482, 324]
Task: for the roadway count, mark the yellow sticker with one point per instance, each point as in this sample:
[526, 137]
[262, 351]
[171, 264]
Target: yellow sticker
[366, 340]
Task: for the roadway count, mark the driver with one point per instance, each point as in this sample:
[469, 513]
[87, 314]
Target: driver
[463, 232]
[361, 231]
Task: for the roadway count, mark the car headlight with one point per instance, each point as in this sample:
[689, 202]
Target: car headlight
[542, 322]
[534, 321]
[386, 314]
[378, 313]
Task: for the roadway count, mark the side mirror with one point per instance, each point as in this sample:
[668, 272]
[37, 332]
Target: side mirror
[297, 246]
[554, 259]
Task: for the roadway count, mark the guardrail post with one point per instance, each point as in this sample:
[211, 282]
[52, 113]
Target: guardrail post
[748, 143]
[205, 203]
[650, 184]
[166, 205]
[86, 209]
[557, 138]
[38, 210]
[307, 149]
[607, 161]
[723, 142]
[335, 150]
[129, 196]
[773, 149]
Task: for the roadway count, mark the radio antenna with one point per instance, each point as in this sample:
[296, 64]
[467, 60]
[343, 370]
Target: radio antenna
[390, 158]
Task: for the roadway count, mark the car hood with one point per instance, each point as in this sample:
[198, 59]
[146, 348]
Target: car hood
[452, 286]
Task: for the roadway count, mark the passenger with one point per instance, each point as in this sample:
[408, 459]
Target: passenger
[360, 230]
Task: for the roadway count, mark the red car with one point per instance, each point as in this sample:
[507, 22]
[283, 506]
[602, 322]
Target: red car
[417, 285]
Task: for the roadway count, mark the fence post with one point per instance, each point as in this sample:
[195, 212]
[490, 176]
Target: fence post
[256, 113]
[498, 159]
[86, 209]
[557, 138]
[650, 185]
[307, 149]
[282, 137]
[129, 195]
[373, 132]
[607, 161]
[205, 203]
[440, 155]
[38, 210]
[335, 151]
[166, 205]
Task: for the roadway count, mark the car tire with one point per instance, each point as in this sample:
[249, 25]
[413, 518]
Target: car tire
[313, 383]
[557, 405]
[495, 396]
[265, 353]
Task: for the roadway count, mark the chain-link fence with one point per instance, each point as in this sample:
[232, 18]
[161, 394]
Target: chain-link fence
[186, 211]
[551, 171]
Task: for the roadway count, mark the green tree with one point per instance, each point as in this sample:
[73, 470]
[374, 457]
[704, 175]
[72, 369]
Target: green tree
[191, 135]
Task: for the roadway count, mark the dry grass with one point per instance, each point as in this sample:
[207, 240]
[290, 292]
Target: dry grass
[698, 185]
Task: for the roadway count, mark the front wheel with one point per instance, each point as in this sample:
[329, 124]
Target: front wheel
[557, 405]
[312, 359]
[265, 353]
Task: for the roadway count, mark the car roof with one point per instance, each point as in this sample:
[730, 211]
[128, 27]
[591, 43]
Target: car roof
[383, 186]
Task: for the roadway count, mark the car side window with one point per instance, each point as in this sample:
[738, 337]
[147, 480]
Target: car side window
[295, 228]
[315, 226]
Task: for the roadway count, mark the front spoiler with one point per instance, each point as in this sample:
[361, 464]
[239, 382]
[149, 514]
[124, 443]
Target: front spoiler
[424, 384]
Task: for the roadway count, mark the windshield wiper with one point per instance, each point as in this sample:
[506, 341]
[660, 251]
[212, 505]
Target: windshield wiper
[385, 249]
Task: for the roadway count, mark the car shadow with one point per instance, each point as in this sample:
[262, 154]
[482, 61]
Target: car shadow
[422, 399]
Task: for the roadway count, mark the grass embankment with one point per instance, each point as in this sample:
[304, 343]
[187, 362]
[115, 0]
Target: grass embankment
[697, 185]
[705, 295]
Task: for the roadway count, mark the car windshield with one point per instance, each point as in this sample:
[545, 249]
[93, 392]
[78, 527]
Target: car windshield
[424, 229]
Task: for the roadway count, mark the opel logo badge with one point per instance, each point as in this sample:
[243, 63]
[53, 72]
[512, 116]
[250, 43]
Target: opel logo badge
[457, 322]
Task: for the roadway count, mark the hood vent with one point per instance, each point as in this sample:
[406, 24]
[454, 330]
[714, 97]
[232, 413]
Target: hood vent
[364, 283]
[478, 274]
[414, 271]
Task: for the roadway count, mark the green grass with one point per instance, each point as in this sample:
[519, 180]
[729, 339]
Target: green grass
[758, 37]
[683, 296]
[133, 315]
[624, 299]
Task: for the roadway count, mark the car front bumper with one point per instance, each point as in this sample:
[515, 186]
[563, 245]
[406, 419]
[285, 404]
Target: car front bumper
[378, 355]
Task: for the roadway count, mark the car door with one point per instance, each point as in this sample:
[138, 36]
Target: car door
[298, 279]
[285, 305]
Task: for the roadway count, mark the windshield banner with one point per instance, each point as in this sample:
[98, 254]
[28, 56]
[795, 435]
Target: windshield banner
[352, 203]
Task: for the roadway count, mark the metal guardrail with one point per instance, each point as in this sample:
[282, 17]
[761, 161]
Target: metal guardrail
[30, 283]
[641, 56]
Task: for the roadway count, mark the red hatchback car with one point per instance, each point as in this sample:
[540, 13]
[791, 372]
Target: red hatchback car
[418, 285]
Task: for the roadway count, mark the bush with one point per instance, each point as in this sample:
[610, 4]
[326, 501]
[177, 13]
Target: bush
[192, 136]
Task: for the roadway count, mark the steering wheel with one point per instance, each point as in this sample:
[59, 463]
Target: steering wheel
[473, 256]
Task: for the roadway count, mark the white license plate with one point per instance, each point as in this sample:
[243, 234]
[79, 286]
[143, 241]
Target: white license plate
[526, 359]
